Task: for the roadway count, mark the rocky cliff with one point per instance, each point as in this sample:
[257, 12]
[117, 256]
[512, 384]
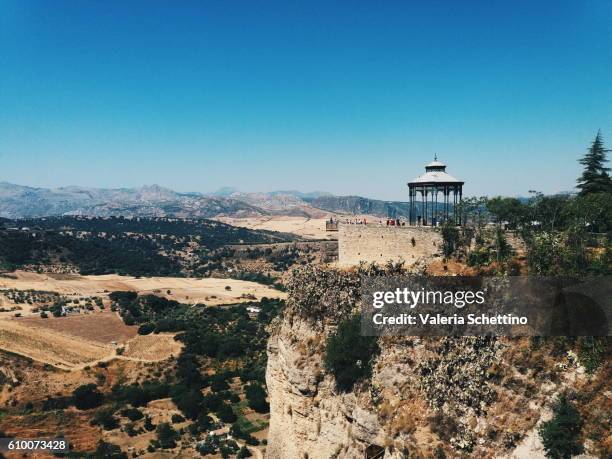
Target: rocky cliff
[426, 397]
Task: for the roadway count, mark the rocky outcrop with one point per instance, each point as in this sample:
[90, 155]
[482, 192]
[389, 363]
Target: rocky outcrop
[427, 397]
[309, 417]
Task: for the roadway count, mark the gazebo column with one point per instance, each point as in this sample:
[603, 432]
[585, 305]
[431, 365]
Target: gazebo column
[423, 207]
[410, 208]
[454, 205]
[425, 216]
[434, 207]
[445, 202]
[460, 199]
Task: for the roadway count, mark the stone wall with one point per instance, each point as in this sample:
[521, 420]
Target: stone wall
[379, 244]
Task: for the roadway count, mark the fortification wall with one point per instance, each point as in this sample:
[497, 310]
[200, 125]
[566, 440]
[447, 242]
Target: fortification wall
[372, 243]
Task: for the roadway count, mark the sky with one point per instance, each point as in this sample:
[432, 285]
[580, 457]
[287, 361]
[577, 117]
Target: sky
[348, 97]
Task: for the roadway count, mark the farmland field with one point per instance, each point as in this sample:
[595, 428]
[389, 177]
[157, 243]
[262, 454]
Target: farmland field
[211, 291]
[48, 346]
[99, 327]
[152, 347]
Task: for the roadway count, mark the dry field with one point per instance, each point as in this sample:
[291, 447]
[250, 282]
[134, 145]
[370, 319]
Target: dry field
[74, 424]
[152, 347]
[310, 228]
[306, 227]
[100, 327]
[210, 291]
[48, 346]
[74, 342]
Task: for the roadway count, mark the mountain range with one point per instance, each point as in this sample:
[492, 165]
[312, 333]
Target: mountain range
[17, 201]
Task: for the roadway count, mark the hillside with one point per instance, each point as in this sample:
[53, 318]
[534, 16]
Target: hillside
[357, 205]
[143, 246]
[18, 201]
[149, 201]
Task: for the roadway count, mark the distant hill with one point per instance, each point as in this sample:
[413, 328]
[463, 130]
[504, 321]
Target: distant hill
[17, 201]
[359, 205]
[148, 201]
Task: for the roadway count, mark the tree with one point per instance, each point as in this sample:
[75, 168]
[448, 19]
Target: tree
[87, 396]
[146, 328]
[106, 450]
[560, 435]
[166, 435]
[226, 414]
[595, 178]
[510, 210]
[256, 395]
[349, 355]
[105, 419]
[450, 238]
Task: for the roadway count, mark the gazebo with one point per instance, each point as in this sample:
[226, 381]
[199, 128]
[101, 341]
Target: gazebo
[434, 181]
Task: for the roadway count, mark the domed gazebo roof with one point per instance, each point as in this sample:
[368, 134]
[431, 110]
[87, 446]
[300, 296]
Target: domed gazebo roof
[435, 174]
[435, 164]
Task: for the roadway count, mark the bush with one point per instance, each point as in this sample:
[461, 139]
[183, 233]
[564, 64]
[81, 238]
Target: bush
[560, 435]
[226, 414]
[146, 329]
[106, 450]
[166, 435]
[87, 396]
[256, 397]
[591, 352]
[148, 425]
[105, 419]
[450, 238]
[218, 383]
[133, 414]
[56, 403]
[349, 355]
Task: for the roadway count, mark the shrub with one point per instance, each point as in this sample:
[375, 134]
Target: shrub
[591, 352]
[256, 397]
[166, 435]
[105, 419]
[226, 414]
[148, 425]
[106, 450]
[560, 435]
[146, 329]
[450, 238]
[133, 414]
[218, 383]
[349, 355]
[87, 396]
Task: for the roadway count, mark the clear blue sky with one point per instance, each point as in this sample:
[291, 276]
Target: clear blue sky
[349, 97]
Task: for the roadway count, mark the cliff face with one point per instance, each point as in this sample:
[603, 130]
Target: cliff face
[427, 397]
[308, 417]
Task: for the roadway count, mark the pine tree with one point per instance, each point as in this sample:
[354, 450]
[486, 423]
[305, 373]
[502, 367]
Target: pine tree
[595, 178]
[561, 435]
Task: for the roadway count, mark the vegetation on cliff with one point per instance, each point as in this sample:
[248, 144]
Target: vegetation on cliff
[349, 354]
[561, 435]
